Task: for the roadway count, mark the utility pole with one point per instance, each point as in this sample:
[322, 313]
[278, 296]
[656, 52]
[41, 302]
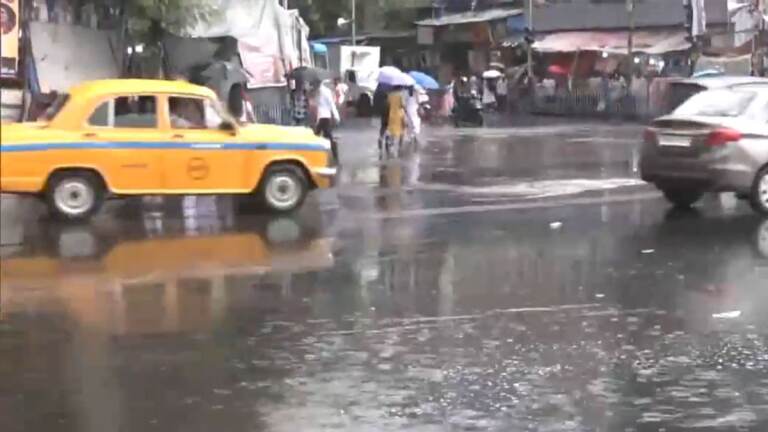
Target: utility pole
[758, 54]
[689, 26]
[354, 23]
[530, 41]
[631, 40]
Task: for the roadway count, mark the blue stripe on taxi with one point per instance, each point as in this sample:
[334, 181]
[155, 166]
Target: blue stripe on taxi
[160, 145]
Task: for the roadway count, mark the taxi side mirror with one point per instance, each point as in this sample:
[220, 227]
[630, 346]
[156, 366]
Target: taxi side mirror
[228, 126]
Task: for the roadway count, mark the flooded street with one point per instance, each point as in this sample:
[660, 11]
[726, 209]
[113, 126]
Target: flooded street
[500, 279]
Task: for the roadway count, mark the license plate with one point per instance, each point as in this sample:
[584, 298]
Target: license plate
[674, 141]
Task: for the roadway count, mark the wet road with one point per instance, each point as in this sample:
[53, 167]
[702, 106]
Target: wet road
[505, 279]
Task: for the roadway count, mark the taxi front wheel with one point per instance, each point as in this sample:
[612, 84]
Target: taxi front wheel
[283, 188]
[74, 195]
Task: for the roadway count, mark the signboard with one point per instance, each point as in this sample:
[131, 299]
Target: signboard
[9, 31]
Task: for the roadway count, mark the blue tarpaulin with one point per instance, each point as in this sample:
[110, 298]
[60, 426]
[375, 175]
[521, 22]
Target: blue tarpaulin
[319, 48]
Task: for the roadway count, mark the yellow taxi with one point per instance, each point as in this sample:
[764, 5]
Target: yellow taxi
[125, 137]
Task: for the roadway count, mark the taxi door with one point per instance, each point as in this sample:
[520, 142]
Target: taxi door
[204, 157]
[122, 134]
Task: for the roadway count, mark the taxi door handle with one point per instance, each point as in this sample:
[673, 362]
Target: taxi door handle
[178, 136]
[90, 135]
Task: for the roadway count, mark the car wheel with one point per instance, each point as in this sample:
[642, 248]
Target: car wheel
[759, 199]
[74, 195]
[682, 197]
[283, 188]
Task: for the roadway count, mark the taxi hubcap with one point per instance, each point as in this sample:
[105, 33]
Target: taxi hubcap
[283, 191]
[74, 196]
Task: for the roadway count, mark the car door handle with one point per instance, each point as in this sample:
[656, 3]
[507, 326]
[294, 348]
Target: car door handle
[178, 136]
[90, 135]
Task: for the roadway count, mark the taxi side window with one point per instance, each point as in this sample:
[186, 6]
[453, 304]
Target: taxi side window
[126, 112]
[193, 113]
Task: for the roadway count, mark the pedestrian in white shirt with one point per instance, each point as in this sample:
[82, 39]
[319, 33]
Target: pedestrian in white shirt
[502, 88]
[327, 115]
[412, 113]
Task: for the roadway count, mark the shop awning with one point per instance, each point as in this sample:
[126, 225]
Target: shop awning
[471, 17]
[614, 42]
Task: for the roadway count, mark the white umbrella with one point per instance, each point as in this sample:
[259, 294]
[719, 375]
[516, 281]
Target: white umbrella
[389, 75]
[492, 74]
[406, 80]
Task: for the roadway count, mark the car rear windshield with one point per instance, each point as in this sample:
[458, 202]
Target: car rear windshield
[54, 109]
[717, 103]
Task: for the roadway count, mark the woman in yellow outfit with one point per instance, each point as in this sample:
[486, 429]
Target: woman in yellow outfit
[396, 118]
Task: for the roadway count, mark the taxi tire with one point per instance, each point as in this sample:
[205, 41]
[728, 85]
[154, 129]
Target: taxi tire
[287, 171]
[86, 179]
[755, 199]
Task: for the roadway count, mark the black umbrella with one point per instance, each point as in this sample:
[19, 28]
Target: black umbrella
[309, 74]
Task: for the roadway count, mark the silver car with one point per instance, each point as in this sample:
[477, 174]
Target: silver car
[717, 141]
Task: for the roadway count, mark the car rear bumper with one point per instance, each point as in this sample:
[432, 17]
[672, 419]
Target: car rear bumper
[709, 175]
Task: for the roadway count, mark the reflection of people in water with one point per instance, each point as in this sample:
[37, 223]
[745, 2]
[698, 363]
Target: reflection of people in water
[7, 19]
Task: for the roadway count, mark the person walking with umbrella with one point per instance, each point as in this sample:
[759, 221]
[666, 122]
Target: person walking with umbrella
[395, 118]
[327, 114]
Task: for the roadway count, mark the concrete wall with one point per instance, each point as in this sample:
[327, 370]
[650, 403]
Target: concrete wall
[611, 14]
[66, 55]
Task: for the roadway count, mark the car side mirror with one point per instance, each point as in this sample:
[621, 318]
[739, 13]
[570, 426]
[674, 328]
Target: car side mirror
[228, 126]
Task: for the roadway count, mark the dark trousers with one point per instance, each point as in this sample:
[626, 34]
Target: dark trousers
[324, 128]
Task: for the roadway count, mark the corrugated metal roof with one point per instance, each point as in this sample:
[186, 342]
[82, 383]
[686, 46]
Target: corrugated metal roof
[363, 38]
[470, 17]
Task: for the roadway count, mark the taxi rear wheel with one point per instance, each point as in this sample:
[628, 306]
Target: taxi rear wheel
[283, 188]
[74, 195]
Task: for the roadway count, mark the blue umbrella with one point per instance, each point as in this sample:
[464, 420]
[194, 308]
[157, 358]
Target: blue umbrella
[424, 80]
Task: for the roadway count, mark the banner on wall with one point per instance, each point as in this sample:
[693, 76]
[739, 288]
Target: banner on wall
[262, 59]
[9, 31]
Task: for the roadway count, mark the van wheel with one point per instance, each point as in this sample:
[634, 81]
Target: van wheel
[682, 197]
[74, 195]
[759, 198]
[283, 188]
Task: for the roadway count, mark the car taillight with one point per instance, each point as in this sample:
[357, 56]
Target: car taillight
[723, 136]
[649, 136]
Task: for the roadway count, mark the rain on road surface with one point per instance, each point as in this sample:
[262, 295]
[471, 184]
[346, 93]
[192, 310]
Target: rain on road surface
[507, 279]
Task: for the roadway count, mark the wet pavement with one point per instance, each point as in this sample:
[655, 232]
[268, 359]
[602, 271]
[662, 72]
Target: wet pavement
[502, 279]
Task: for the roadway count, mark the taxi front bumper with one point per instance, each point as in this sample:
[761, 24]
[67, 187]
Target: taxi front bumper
[325, 177]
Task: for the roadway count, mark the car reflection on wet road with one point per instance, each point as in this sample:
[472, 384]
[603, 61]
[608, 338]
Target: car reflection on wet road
[570, 299]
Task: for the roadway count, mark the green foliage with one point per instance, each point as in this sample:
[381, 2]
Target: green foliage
[322, 15]
[175, 16]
